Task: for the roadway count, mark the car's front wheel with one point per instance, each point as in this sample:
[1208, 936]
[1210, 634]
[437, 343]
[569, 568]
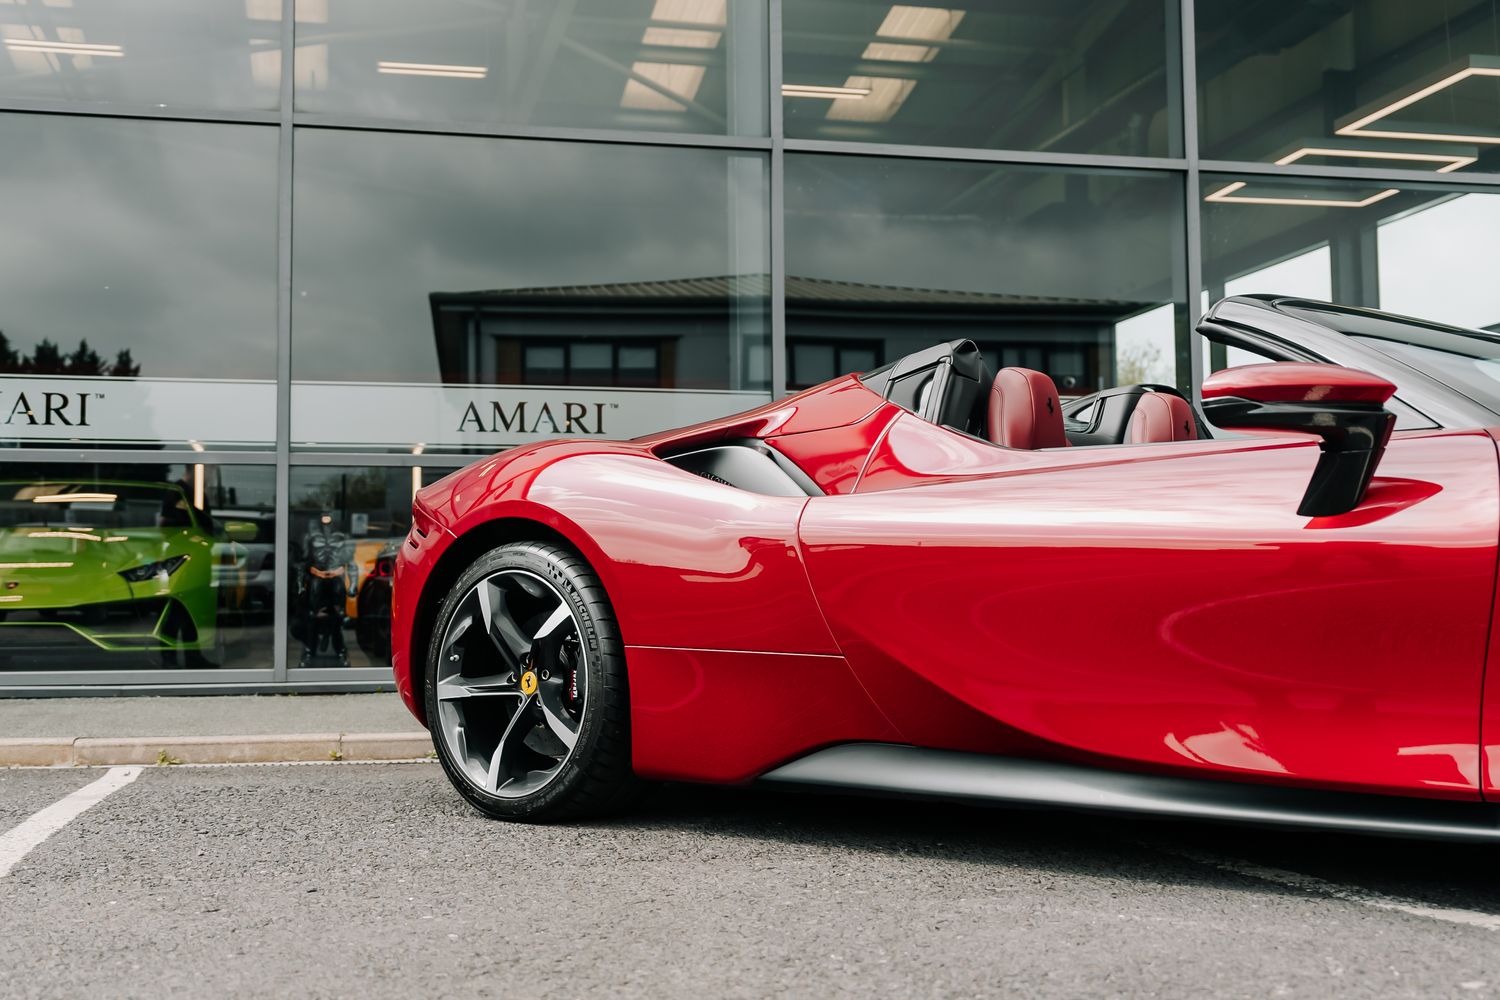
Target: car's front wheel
[525, 687]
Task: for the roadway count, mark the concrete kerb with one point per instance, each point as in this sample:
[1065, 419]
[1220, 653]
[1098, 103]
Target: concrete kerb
[84, 751]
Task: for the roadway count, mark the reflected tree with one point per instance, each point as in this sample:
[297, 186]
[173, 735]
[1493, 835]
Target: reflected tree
[1142, 363]
[48, 358]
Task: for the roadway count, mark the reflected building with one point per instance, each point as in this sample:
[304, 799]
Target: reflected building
[665, 334]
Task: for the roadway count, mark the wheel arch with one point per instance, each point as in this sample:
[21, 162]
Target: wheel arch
[458, 556]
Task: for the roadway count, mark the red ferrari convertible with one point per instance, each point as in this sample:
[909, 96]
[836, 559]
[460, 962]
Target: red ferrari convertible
[931, 580]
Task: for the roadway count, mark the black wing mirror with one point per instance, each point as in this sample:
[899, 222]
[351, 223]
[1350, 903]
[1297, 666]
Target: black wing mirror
[1343, 406]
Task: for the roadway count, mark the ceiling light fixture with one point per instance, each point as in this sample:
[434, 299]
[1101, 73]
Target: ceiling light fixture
[1449, 162]
[1226, 195]
[75, 498]
[63, 48]
[433, 69]
[827, 93]
[1471, 67]
[85, 535]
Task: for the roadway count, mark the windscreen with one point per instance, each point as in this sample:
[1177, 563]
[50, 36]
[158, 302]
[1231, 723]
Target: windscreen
[1475, 376]
[1467, 361]
[92, 505]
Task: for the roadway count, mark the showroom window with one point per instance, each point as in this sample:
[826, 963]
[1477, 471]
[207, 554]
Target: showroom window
[180, 54]
[1350, 83]
[464, 262]
[651, 65]
[1076, 273]
[1068, 76]
[156, 566]
[346, 525]
[138, 255]
[1420, 250]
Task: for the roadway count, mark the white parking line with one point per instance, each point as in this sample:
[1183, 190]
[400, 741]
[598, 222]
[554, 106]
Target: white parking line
[37, 827]
[247, 763]
[1350, 894]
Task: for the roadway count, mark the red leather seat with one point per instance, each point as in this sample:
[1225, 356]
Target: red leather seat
[1160, 417]
[1025, 411]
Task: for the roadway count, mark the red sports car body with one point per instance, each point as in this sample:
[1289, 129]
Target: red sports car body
[901, 583]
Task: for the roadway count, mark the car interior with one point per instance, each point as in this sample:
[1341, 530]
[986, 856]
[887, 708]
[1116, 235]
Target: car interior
[950, 385]
[1020, 408]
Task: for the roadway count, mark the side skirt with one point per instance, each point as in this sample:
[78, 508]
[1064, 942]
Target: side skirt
[903, 770]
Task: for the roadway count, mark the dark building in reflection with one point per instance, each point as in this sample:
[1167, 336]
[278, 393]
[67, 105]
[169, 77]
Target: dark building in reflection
[669, 334]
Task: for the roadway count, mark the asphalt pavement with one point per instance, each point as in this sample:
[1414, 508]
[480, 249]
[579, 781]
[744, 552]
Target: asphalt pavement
[375, 880]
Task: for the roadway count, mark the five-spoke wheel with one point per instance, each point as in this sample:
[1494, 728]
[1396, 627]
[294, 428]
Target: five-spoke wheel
[526, 686]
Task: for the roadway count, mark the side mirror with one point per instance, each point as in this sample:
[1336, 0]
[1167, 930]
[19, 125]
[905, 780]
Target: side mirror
[240, 531]
[1342, 406]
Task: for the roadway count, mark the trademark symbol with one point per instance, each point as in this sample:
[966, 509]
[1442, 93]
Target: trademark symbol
[98, 395]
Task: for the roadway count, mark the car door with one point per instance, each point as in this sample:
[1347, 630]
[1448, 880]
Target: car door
[1164, 607]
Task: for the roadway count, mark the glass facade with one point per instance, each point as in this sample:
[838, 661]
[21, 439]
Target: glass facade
[652, 65]
[1065, 76]
[270, 266]
[1078, 273]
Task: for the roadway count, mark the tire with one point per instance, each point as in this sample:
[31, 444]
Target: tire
[503, 700]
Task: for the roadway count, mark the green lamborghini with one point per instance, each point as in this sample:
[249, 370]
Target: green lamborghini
[116, 566]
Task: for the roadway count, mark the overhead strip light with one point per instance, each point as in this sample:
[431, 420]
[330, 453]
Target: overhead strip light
[1473, 66]
[63, 48]
[1450, 163]
[1227, 195]
[75, 498]
[433, 69]
[827, 93]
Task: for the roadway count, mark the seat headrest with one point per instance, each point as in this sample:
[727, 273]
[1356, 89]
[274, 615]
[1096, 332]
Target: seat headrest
[1161, 417]
[1025, 411]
